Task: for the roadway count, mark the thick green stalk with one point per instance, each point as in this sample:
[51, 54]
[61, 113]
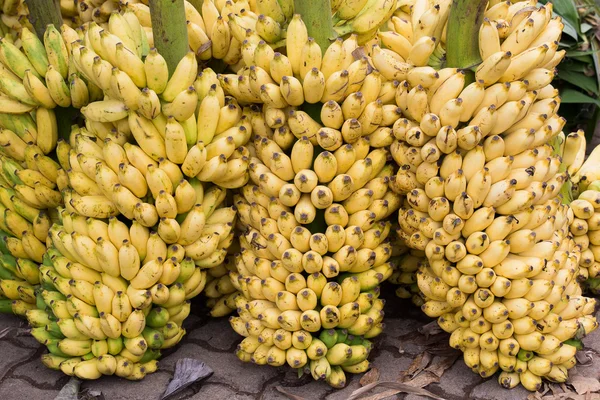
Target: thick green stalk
[462, 39]
[316, 15]
[5, 306]
[170, 30]
[42, 13]
[197, 4]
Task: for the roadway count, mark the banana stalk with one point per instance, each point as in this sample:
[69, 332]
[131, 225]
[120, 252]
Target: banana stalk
[6, 306]
[462, 42]
[42, 13]
[169, 30]
[316, 15]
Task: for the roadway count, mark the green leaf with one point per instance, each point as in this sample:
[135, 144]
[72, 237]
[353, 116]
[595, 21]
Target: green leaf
[578, 53]
[584, 59]
[574, 65]
[580, 80]
[569, 29]
[567, 10]
[585, 27]
[569, 95]
[596, 58]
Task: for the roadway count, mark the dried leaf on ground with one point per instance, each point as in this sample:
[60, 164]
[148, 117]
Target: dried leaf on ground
[88, 394]
[371, 376]
[281, 390]
[423, 379]
[419, 364]
[438, 368]
[534, 396]
[584, 357]
[431, 329]
[432, 373]
[583, 384]
[397, 388]
[70, 391]
[571, 396]
[14, 331]
[187, 372]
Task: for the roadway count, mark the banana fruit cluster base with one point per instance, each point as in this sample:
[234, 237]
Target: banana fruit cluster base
[495, 253]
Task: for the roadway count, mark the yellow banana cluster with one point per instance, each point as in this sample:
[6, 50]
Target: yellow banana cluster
[585, 186]
[184, 122]
[584, 230]
[112, 296]
[139, 229]
[220, 292]
[313, 249]
[14, 15]
[224, 30]
[494, 255]
[28, 201]
[28, 176]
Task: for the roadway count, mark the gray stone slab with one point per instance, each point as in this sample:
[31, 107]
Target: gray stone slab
[11, 389]
[10, 320]
[390, 365]
[115, 388]
[490, 390]
[216, 334]
[26, 342]
[243, 377]
[592, 341]
[36, 372]
[458, 380]
[343, 394]
[310, 391]
[12, 355]
[218, 392]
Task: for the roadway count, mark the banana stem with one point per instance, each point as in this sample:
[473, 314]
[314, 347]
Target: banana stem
[316, 15]
[462, 39]
[197, 5]
[5, 306]
[42, 13]
[170, 30]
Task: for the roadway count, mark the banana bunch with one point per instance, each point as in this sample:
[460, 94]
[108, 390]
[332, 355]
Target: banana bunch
[113, 296]
[220, 293]
[405, 274]
[185, 122]
[313, 252]
[584, 227]
[29, 175]
[139, 229]
[13, 17]
[14, 14]
[40, 74]
[222, 29]
[584, 178]
[492, 250]
[28, 178]
[583, 169]
[233, 31]
[365, 17]
[28, 201]
[26, 103]
[522, 39]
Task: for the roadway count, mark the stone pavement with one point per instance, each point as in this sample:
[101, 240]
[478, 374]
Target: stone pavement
[22, 375]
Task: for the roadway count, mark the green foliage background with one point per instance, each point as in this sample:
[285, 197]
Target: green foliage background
[579, 73]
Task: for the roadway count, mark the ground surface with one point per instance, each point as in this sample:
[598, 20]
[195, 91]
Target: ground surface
[22, 376]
